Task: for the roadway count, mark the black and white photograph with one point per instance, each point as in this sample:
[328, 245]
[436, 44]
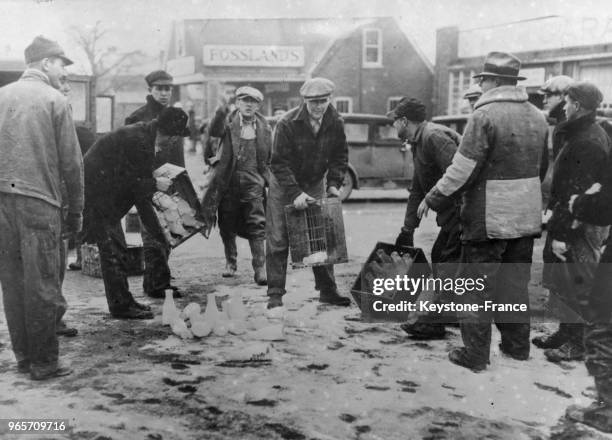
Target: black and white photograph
[305, 220]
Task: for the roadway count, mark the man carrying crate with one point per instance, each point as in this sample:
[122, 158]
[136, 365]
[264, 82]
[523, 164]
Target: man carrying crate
[309, 142]
[118, 175]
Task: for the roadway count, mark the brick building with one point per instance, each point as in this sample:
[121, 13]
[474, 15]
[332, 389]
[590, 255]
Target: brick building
[547, 46]
[372, 61]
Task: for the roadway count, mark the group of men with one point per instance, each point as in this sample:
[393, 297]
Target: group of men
[486, 189]
[484, 185]
[49, 191]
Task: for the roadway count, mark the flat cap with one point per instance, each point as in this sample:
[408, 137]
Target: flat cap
[556, 85]
[42, 48]
[410, 108]
[317, 88]
[586, 93]
[248, 91]
[173, 122]
[473, 92]
[159, 78]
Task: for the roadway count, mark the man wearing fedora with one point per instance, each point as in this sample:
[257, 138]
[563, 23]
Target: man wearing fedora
[497, 171]
[40, 150]
[157, 274]
[118, 175]
[309, 160]
[246, 133]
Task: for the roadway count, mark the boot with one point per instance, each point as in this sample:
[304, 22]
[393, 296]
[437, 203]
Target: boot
[259, 261]
[459, 356]
[332, 297]
[598, 415]
[424, 330]
[275, 300]
[556, 340]
[570, 351]
[231, 253]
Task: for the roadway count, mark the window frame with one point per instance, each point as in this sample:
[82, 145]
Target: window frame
[365, 46]
[349, 101]
[393, 98]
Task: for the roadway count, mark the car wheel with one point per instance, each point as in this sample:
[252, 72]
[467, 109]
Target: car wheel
[347, 186]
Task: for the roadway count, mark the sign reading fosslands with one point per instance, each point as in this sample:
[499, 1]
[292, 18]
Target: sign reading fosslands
[263, 56]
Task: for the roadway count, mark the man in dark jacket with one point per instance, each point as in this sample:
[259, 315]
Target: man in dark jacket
[497, 170]
[118, 175]
[581, 162]
[553, 92]
[241, 211]
[595, 207]
[433, 148]
[157, 272]
[309, 142]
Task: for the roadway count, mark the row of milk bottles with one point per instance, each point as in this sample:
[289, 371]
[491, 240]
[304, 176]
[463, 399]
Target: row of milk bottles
[232, 319]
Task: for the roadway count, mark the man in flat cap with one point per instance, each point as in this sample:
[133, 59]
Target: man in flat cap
[472, 94]
[497, 171]
[581, 162]
[433, 148]
[245, 137]
[39, 151]
[595, 207]
[553, 92]
[157, 275]
[118, 175]
[309, 142]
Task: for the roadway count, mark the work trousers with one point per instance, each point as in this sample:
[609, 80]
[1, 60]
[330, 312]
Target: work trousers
[30, 261]
[505, 266]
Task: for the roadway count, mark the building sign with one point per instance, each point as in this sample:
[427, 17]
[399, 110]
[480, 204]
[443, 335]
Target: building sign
[546, 33]
[181, 66]
[263, 56]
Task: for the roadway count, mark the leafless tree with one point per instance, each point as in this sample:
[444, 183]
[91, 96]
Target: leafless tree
[109, 66]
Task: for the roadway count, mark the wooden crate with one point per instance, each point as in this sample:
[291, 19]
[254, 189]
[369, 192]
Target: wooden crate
[181, 190]
[316, 234]
[90, 260]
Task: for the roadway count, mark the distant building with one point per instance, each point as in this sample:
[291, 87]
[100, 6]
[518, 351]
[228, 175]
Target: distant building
[372, 61]
[547, 46]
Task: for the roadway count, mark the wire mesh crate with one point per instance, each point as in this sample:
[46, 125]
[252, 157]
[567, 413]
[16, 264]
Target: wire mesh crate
[316, 234]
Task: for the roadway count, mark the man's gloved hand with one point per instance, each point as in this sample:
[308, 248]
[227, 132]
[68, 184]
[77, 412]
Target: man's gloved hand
[559, 248]
[162, 183]
[302, 201]
[332, 192]
[73, 224]
[405, 238]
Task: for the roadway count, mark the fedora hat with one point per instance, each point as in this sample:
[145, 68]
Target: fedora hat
[502, 65]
